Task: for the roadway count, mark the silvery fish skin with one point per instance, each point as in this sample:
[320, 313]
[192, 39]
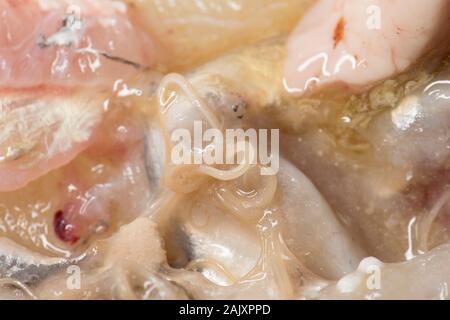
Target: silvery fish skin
[29, 267]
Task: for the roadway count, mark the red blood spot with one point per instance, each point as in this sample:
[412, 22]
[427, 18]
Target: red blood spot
[63, 228]
[339, 32]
